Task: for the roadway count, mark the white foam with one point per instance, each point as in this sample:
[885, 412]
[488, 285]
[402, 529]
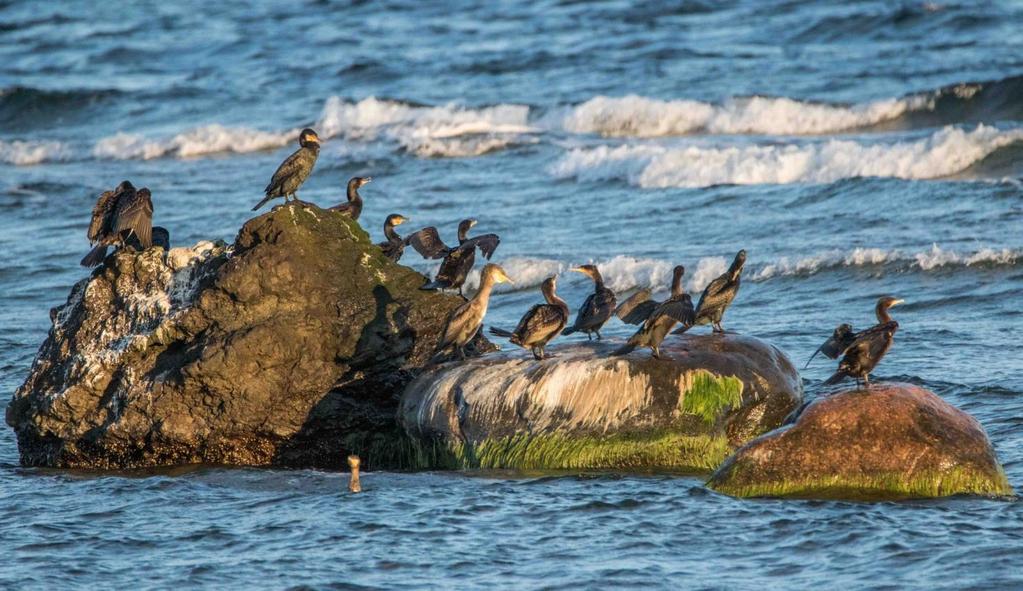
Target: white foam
[442, 131]
[26, 153]
[199, 141]
[947, 151]
[927, 260]
[645, 117]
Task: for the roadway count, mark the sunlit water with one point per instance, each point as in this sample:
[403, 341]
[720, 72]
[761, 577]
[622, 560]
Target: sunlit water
[579, 132]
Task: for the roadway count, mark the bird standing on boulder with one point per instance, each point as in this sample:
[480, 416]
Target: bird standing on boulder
[458, 261]
[394, 246]
[717, 296]
[465, 320]
[862, 350]
[598, 307]
[657, 318]
[353, 208]
[294, 170]
[541, 323]
[122, 217]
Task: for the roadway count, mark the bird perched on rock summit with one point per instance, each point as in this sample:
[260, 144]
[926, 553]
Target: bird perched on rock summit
[863, 350]
[598, 307]
[123, 218]
[353, 207]
[294, 170]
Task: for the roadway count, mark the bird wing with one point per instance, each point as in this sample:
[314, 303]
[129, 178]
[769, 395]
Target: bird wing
[100, 224]
[680, 309]
[290, 166]
[637, 307]
[427, 243]
[456, 264]
[487, 243]
[867, 350]
[712, 294]
[837, 343]
[539, 322]
[134, 217]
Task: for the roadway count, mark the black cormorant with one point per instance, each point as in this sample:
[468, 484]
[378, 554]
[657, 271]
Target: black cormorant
[295, 170]
[541, 323]
[717, 296]
[598, 307]
[353, 207]
[863, 350]
[122, 217]
[465, 321]
[657, 318]
[394, 245]
[458, 261]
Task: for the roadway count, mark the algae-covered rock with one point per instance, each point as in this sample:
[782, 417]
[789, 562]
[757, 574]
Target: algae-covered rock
[289, 347]
[892, 441]
[583, 409]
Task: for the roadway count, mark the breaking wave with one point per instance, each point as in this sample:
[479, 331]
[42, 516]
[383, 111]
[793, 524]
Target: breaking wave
[623, 273]
[638, 116]
[25, 153]
[200, 141]
[946, 152]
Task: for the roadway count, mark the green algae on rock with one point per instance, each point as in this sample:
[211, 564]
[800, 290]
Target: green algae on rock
[584, 410]
[289, 347]
[892, 441]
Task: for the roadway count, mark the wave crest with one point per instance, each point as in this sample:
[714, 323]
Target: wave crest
[946, 152]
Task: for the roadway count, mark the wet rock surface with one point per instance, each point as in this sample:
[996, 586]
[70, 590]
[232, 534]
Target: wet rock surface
[289, 347]
[583, 409]
[892, 441]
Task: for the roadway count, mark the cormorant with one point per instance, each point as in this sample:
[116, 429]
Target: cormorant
[394, 246]
[295, 170]
[353, 208]
[862, 350]
[458, 261]
[717, 296]
[465, 320]
[122, 217]
[541, 323]
[598, 307]
[657, 318]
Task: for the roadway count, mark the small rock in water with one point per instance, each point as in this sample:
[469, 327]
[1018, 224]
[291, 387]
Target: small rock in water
[353, 484]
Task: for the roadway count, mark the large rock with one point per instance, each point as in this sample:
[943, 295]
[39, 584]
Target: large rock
[583, 409]
[893, 441]
[290, 347]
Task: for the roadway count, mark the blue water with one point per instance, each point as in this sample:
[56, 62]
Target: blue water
[853, 149]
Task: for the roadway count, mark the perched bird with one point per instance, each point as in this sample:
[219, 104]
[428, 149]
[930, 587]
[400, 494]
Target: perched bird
[863, 350]
[717, 296]
[598, 307]
[657, 319]
[123, 218]
[294, 170]
[353, 208]
[465, 320]
[394, 246]
[458, 261]
[541, 323]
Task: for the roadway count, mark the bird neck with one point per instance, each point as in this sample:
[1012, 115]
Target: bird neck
[677, 289]
[598, 280]
[390, 234]
[353, 194]
[552, 298]
[463, 234]
[882, 314]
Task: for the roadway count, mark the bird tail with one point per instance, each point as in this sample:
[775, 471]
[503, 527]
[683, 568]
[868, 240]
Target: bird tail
[623, 350]
[500, 332]
[434, 285]
[811, 357]
[569, 330]
[837, 377]
[682, 329]
[95, 256]
[262, 202]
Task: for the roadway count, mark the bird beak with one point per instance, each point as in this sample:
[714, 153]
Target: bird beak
[367, 179]
[578, 270]
[897, 302]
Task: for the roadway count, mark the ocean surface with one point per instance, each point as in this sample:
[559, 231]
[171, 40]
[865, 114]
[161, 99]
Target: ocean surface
[854, 149]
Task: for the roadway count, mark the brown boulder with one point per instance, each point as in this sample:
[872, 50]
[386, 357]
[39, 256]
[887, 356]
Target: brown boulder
[892, 441]
[289, 348]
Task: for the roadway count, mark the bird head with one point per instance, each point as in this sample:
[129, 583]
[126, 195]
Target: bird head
[308, 137]
[497, 273]
[678, 272]
[740, 260]
[396, 219]
[589, 270]
[358, 181]
[885, 302]
[125, 186]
